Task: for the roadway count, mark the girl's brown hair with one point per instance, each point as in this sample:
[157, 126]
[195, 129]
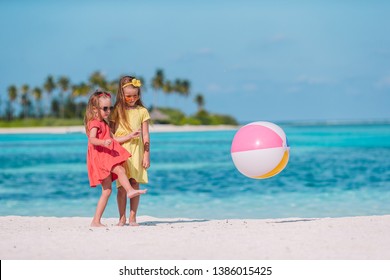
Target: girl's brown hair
[93, 103]
[120, 104]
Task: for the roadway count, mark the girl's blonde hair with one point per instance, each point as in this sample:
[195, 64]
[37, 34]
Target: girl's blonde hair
[120, 104]
[93, 104]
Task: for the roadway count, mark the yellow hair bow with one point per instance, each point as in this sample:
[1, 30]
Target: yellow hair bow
[134, 82]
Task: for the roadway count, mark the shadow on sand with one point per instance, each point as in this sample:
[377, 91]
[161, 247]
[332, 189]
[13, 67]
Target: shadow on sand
[294, 221]
[155, 223]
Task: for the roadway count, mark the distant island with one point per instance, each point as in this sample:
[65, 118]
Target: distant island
[60, 103]
[177, 117]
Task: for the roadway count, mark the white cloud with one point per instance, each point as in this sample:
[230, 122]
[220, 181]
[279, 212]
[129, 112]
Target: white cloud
[294, 89]
[250, 87]
[195, 55]
[278, 38]
[304, 79]
[383, 83]
[214, 87]
[204, 51]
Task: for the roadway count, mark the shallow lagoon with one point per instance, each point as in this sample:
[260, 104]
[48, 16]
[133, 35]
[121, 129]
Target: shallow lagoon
[333, 171]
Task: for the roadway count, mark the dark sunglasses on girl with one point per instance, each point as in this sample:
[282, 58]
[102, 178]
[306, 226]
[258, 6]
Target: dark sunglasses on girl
[105, 108]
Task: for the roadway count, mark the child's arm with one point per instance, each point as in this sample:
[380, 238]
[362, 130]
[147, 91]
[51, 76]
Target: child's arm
[95, 141]
[127, 137]
[113, 127]
[146, 142]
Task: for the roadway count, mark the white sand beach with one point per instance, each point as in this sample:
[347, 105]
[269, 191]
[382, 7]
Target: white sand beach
[152, 128]
[47, 238]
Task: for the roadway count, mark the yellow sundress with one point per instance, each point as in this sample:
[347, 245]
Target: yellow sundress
[135, 147]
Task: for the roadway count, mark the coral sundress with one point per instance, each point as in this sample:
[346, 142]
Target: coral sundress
[100, 159]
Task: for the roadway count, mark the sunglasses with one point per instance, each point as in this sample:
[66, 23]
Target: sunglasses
[100, 93]
[105, 108]
[131, 97]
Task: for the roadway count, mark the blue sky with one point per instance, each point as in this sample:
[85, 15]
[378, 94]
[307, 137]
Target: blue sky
[255, 60]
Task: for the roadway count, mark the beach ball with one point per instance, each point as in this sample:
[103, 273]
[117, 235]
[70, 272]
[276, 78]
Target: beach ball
[260, 150]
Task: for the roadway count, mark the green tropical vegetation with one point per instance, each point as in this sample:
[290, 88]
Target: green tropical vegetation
[60, 103]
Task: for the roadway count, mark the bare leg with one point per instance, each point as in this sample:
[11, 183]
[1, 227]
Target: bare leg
[134, 202]
[122, 201]
[120, 172]
[101, 205]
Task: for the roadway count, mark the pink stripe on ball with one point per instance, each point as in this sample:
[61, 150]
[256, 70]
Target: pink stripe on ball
[255, 137]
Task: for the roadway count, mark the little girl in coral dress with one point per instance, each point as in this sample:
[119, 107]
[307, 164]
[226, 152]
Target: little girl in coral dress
[105, 155]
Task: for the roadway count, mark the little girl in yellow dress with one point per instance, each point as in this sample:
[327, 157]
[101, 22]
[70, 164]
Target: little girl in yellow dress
[131, 116]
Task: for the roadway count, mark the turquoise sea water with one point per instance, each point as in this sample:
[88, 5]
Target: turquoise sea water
[333, 171]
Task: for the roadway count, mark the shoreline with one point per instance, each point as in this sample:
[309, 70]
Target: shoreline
[80, 129]
[46, 238]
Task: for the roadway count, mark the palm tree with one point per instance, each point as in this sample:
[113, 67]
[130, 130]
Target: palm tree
[25, 100]
[186, 87]
[168, 88]
[63, 83]
[37, 93]
[199, 99]
[144, 86]
[157, 84]
[49, 86]
[12, 95]
[112, 86]
[182, 87]
[97, 80]
[80, 90]
[177, 85]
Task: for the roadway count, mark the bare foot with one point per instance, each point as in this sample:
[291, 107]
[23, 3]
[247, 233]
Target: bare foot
[121, 222]
[133, 224]
[135, 193]
[97, 224]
